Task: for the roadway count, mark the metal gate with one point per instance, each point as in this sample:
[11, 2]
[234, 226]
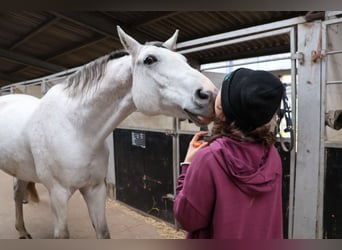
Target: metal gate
[317, 194]
[331, 149]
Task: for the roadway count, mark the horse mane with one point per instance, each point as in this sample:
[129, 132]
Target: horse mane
[91, 73]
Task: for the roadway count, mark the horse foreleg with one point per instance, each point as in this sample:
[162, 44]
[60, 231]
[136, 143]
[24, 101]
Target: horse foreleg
[59, 202]
[95, 198]
[19, 189]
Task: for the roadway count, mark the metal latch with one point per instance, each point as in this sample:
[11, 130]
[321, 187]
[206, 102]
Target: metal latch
[170, 132]
[298, 56]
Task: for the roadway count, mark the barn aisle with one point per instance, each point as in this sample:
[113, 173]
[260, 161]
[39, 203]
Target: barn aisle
[123, 223]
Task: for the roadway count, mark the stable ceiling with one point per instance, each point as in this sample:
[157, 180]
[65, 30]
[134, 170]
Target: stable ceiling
[38, 43]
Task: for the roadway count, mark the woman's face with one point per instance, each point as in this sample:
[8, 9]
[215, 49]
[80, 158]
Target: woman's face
[218, 106]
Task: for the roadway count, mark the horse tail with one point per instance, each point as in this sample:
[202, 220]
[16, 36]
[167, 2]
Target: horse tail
[32, 192]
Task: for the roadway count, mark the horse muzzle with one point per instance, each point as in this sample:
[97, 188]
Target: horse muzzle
[199, 120]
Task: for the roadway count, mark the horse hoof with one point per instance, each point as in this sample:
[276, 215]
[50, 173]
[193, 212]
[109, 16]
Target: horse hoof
[27, 236]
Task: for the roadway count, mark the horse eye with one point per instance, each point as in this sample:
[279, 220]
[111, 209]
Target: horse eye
[150, 59]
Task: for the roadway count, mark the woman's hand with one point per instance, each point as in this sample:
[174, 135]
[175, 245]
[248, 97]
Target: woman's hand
[194, 145]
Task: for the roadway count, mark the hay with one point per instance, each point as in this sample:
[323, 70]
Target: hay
[165, 230]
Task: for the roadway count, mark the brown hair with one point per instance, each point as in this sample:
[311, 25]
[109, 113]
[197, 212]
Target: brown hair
[262, 134]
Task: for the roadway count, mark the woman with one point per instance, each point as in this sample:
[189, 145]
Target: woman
[230, 187]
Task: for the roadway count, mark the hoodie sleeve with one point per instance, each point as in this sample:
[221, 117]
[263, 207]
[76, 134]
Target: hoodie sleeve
[195, 193]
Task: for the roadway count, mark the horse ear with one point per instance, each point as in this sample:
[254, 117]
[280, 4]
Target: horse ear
[171, 42]
[129, 43]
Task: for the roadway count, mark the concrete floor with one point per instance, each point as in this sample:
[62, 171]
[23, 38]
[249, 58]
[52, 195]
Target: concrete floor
[39, 223]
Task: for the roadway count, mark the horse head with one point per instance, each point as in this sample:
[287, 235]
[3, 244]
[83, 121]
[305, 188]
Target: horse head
[164, 83]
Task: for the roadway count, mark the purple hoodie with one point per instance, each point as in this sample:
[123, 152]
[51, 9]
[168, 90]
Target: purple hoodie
[231, 190]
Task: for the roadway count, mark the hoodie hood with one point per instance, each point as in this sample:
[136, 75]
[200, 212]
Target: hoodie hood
[251, 166]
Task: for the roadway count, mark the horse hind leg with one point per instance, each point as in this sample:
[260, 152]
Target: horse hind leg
[32, 193]
[95, 198]
[19, 189]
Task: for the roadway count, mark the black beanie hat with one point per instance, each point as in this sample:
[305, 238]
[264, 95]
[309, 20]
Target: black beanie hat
[250, 97]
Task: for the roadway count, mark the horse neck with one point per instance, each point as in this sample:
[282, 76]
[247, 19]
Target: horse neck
[108, 102]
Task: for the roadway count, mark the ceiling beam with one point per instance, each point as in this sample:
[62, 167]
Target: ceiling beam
[34, 32]
[154, 17]
[30, 61]
[95, 23]
[67, 50]
[74, 48]
[100, 24]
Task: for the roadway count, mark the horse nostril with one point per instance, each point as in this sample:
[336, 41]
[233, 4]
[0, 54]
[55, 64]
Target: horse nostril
[203, 95]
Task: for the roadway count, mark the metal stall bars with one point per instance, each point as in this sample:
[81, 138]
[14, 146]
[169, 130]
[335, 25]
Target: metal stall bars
[330, 171]
[317, 184]
[42, 83]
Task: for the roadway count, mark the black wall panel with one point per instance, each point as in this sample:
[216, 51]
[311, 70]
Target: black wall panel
[332, 221]
[143, 170]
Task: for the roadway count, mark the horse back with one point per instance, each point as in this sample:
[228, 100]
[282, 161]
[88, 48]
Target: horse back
[15, 111]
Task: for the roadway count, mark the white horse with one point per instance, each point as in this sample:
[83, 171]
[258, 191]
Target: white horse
[59, 140]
